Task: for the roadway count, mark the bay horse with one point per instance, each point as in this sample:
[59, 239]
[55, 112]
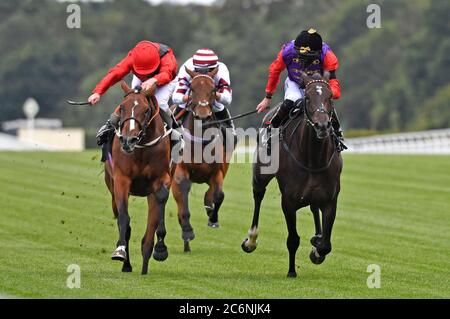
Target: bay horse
[309, 171]
[139, 165]
[194, 169]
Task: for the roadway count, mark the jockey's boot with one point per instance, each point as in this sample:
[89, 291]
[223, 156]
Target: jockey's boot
[111, 125]
[171, 123]
[338, 131]
[228, 129]
[277, 120]
[282, 113]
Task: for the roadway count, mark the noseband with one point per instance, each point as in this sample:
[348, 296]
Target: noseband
[321, 108]
[148, 117]
[189, 105]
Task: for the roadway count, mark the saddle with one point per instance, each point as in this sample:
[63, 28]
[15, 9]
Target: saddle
[295, 112]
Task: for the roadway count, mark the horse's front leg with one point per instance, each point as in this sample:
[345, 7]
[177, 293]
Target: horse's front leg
[318, 235]
[148, 240]
[259, 183]
[215, 186]
[293, 240]
[180, 189]
[323, 244]
[121, 192]
[161, 195]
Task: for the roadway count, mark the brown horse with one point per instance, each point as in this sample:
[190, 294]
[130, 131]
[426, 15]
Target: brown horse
[309, 171]
[139, 166]
[193, 167]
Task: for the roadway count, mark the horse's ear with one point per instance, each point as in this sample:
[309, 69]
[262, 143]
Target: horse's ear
[192, 74]
[326, 75]
[305, 77]
[150, 92]
[125, 87]
[213, 73]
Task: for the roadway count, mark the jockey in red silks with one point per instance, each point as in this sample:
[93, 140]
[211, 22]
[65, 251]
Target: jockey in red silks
[307, 53]
[153, 66]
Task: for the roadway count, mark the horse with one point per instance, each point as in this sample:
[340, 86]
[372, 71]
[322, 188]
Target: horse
[309, 171]
[192, 169]
[139, 165]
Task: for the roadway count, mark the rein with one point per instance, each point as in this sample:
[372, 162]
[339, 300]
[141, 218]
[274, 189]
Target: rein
[190, 109]
[308, 120]
[321, 109]
[142, 132]
[308, 169]
[189, 103]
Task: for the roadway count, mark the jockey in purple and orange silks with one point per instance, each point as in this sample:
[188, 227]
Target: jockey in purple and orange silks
[309, 54]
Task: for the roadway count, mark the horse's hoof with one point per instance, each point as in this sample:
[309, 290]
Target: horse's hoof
[127, 268]
[247, 249]
[213, 225]
[161, 253]
[144, 272]
[160, 256]
[119, 254]
[209, 211]
[315, 240]
[292, 274]
[187, 248]
[188, 235]
[315, 257]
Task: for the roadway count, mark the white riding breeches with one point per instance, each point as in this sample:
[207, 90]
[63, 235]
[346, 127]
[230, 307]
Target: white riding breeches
[292, 91]
[162, 94]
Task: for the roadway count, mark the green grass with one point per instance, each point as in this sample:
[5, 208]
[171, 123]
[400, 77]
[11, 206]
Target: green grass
[393, 211]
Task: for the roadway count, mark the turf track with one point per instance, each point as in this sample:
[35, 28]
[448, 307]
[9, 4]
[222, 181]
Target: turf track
[393, 211]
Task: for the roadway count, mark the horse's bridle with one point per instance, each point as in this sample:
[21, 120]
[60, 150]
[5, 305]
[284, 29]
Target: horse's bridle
[189, 106]
[321, 108]
[309, 121]
[149, 116]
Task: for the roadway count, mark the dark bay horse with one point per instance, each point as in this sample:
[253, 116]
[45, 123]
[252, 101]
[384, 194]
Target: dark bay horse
[308, 174]
[139, 166]
[194, 167]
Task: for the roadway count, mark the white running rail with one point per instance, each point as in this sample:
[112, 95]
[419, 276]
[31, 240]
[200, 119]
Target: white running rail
[425, 142]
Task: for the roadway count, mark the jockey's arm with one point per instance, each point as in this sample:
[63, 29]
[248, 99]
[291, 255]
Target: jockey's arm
[331, 64]
[182, 87]
[275, 69]
[115, 74]
[167, 69]
[224, 92]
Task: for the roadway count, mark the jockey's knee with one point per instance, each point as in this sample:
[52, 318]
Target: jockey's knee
[164, 107]
[218, 107]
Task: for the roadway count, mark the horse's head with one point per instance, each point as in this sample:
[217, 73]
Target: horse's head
[135, 115]
[318, 104]
[202, 94]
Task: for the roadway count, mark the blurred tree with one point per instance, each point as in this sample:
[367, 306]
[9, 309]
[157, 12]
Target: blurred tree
[393, 78]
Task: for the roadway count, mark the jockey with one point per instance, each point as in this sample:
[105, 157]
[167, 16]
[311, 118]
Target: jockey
[204, 61]
[309, 54]
[153, 66]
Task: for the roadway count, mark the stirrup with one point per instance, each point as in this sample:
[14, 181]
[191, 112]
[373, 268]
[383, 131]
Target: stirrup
[267, 138]
[103, 133]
